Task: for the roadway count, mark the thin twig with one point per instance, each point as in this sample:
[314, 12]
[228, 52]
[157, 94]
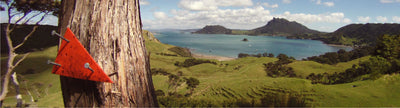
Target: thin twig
[22, 59]
[26, 37]
[16, 14]
[31, 18]
[16, 23]
[41, 19]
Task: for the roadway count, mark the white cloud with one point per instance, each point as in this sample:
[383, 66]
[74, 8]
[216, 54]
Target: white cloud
[244, 18]
[396, 19]
[200, 5]
[160, 15]
[319, 2]
[336, 17]
[381, 19]
[270, 6]
[286, 1]
[144, 2]
[363, 19]
[390, 1]
[329, 4]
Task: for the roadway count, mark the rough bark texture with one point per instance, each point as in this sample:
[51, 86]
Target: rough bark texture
[111, 32]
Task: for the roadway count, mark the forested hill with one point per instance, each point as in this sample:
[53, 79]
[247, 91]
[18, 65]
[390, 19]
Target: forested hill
[363, 33]
[214, 29]
[39, 40]
[282, 27]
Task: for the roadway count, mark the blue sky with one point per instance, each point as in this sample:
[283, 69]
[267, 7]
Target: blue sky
[323, 15]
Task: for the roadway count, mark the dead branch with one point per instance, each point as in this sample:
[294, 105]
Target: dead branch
[22, 59]
[26, 37]
[26, 21]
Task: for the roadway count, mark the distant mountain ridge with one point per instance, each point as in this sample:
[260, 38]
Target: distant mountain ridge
[365, 33]
[350, 35]
[275, 27]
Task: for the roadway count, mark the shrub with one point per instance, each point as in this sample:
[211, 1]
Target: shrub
[156, 71]
[191, 62]
[242, 55]
[184, 52]
[159, 93]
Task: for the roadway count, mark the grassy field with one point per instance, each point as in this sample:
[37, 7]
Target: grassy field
[242, 79]
[35, 78]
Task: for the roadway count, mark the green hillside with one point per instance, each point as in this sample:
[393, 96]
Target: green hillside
[240, 82]
[244, 82]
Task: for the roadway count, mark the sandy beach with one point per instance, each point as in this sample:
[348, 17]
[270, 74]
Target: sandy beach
[219, 58]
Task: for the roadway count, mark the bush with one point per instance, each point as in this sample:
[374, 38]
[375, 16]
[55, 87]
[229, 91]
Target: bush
[279, 68]
[159, 93]
[192, 62]
[242, 55]
[341, 55]
[184, 52]
[156, 71]
[192, 82]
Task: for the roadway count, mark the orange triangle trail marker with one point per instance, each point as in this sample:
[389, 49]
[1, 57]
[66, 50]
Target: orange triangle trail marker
[74, 61]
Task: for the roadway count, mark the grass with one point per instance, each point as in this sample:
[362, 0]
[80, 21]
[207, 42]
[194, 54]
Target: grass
[227, 81]
[35, 77]
[305, 68]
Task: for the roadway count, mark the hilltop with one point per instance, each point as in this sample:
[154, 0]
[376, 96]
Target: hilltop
[354, 34]
[282, 27]
[363, 33]
[214, 29]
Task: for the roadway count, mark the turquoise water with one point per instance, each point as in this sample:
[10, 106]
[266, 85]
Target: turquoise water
[232, 45]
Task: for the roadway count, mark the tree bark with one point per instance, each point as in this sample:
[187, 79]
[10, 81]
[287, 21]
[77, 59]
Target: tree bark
[111, 31]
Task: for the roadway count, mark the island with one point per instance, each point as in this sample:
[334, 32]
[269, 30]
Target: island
[350, 35]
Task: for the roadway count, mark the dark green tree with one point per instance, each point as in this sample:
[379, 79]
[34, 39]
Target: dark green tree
[388, 46]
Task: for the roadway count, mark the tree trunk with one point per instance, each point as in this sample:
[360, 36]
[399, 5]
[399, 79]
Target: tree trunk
[111, 31]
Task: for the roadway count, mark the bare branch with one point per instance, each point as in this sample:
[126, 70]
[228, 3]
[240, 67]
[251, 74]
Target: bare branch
[20, 19]
[26, 37]
[15, 14]
[41, 19]
[22, 59]
[15, 24]
[9, 14]
[31, 18]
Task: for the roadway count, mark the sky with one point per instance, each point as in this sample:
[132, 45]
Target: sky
[322, 15]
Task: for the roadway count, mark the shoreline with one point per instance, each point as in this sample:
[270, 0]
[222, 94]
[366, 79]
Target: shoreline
[335, 45]
[214, 57]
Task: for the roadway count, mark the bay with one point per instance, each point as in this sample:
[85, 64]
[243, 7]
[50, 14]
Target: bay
[231, 45]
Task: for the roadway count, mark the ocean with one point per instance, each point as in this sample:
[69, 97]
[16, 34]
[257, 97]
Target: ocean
[231, 45]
